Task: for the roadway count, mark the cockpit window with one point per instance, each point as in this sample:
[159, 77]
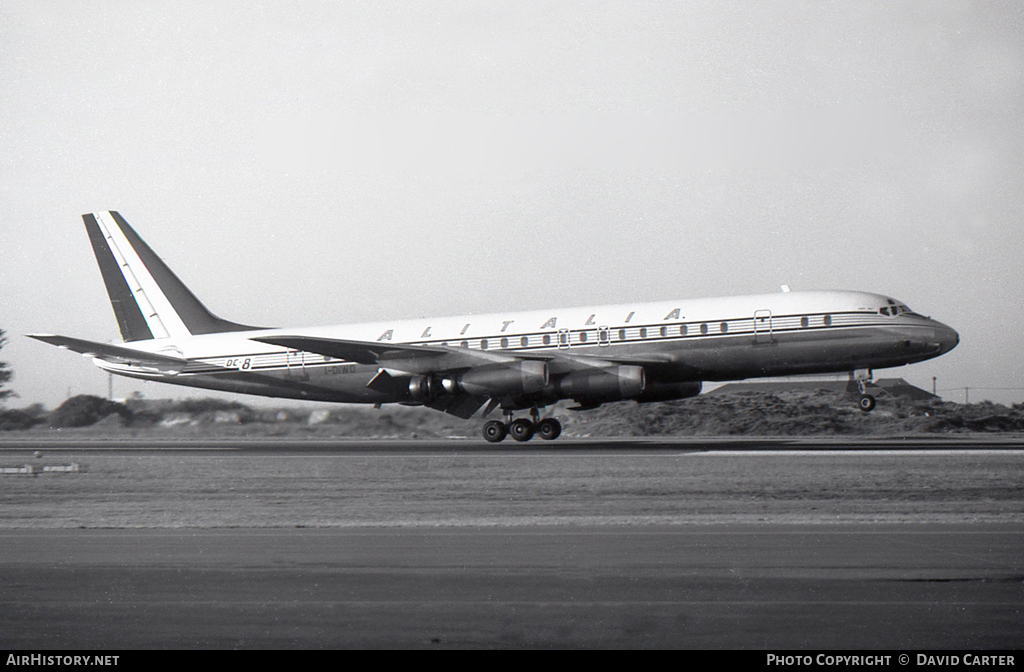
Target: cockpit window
[894, 309]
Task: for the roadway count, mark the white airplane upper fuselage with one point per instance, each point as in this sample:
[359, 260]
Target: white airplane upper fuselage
[697, 339]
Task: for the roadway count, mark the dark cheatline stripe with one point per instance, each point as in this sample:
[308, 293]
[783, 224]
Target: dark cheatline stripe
[129, 318]
[192, 312]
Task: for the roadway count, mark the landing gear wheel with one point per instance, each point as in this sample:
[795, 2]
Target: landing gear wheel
[549, 429]
[495, 431]
[866, 403]
[521, 429]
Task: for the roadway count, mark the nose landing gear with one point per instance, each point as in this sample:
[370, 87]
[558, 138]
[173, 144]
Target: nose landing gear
[866, 402]
[522, 429]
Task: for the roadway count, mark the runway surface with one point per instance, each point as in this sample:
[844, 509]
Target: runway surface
[779, 587]
[675, 545]
[74, 440]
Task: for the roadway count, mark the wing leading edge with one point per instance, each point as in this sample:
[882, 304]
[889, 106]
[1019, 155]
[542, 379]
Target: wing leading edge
[396, 356]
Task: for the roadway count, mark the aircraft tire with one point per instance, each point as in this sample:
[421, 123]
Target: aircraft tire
[495, 431]
[549, 429]
[521, 429]
[866, 403]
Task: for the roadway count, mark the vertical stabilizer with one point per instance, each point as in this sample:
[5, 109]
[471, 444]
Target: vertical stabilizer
[149, 300]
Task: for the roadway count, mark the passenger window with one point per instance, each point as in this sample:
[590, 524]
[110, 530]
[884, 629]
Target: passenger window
[664, 332]
[643, 332]
[504, 343]
[682, 330]
[583, 337]
[804, 322]
[724, 326]
[547, 339]
[622, 334]
[827, 320]
[483, 344]
[464, 344]
[704, 328]
[524, 341]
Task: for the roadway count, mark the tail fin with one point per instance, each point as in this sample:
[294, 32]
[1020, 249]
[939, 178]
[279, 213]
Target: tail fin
[148, 298]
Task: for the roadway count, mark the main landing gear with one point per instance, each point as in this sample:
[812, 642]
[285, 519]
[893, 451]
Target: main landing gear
[522, 429]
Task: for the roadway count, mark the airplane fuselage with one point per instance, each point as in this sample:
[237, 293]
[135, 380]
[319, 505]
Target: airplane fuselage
[678, 342]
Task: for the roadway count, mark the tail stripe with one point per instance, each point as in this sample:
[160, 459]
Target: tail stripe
[130, 319]
[161, 317]
[156, 326]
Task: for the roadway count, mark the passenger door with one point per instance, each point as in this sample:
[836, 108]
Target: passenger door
[763, 327]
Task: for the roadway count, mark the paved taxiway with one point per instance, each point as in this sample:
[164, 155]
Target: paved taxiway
[403, 561]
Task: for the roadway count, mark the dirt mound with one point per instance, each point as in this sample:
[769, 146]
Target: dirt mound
[793, 414]
[85, 410]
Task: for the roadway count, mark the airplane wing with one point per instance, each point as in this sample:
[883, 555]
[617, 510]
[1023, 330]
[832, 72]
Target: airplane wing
[361, 352]
[646, 359]
[408, 359]
[403, 359]
[110, 352]
[395, 356]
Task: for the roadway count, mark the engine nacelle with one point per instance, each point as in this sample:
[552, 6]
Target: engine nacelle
[603, 384]
[669, 391]
[523, 377]
[424, 388]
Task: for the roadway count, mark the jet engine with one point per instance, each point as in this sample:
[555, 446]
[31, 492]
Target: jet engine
[517, 378]
[522, 377]
[603, 384]
[424, 388]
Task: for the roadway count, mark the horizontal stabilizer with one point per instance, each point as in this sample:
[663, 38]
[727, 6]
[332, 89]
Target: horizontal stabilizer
[110, 352]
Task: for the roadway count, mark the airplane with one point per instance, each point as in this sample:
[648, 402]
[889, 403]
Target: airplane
[518, 361]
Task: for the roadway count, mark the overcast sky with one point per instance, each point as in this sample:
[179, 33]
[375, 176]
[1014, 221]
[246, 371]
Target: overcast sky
[303, 163]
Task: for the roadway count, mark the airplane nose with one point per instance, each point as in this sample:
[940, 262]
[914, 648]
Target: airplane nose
[947, 338]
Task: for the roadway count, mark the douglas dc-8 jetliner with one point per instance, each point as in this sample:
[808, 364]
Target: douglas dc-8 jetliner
[516, 361]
